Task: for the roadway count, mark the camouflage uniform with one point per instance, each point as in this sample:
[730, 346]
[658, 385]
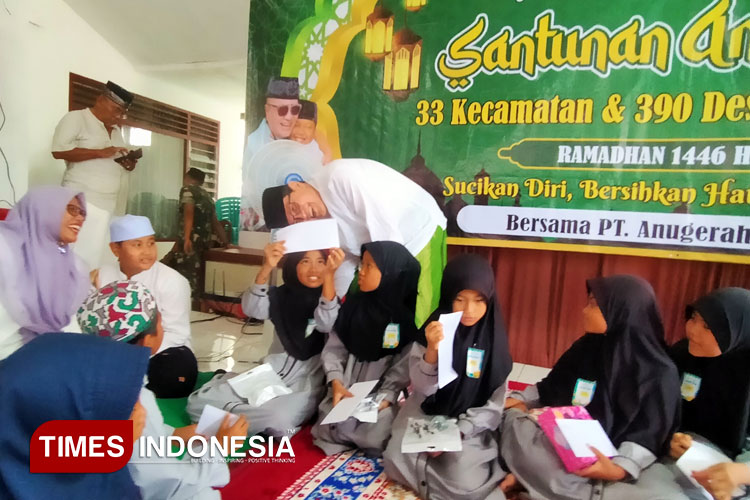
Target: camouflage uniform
[189, 265]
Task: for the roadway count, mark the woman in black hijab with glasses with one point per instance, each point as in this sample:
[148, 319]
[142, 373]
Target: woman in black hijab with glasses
[482, 361]
[371, 341]
[714, 364]
[621, 372]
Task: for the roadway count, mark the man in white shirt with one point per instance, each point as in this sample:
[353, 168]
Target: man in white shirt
[281, 110]
[89, 140]
[370, 202]
[173, 369]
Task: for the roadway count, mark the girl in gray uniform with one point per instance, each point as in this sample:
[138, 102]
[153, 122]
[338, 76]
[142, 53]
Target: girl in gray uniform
[302, 310]
[621, 372]
[482, 360]
[371, 341]
[713, 364]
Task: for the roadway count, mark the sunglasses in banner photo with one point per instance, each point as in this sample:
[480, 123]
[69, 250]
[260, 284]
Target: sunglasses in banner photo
[286, 109]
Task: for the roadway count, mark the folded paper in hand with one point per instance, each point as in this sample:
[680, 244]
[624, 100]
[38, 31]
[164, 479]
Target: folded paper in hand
[446, 373]
[347, 406]
[581, 434]
[211, 420]
[310, 235]
[700, 457]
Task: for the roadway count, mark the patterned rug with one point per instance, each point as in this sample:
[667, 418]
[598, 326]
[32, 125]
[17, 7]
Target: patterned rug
[348, 476]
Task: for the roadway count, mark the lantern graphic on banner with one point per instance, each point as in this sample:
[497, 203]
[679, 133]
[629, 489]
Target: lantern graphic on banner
[415, 5]
[402, 64]
[378, 33]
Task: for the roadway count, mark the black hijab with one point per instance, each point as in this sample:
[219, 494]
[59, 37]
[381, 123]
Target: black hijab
[470, 272]
[721, 408]
[637, 386]
[364, 316]
[292, 306]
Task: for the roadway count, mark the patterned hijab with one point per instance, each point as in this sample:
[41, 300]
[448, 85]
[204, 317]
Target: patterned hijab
[120, 310]
[41, 283]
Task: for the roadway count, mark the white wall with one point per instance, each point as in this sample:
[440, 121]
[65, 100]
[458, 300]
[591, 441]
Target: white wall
[42, 42]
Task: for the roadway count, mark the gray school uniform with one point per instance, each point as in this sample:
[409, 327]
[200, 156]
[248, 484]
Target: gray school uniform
[531, 457]
[168, 477]
[338, 363]
[282, 415]
[474, 473]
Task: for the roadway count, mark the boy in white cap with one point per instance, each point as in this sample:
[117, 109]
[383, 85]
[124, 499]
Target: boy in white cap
[125, 311]
[173, 369]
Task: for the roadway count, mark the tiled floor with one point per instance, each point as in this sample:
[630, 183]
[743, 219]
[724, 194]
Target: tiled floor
[224, 343]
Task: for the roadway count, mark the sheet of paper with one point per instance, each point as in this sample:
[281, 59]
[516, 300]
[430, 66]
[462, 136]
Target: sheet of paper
[423, 435]
[311, 235]
[446, 373]
[347, 406]
[367, 410]
[580, 434]
[700, 457]
[211, 420]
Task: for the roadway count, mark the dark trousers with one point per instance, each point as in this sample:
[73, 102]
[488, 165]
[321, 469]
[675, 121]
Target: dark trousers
[172, 373]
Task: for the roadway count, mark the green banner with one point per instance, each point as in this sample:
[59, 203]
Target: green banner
[536, 124]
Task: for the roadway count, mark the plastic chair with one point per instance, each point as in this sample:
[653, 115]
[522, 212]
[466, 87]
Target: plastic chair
[229, 209]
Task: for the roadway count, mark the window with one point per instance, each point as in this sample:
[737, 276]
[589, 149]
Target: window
[173, 140]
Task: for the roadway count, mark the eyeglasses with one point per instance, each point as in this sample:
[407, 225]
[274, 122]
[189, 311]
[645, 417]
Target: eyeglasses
[293, 209]
[285, 109]
[75, 211]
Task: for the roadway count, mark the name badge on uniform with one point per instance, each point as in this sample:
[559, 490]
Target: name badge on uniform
[311, 326]
[474, 360]
[583, 392]
[391, 336]
[691, 384]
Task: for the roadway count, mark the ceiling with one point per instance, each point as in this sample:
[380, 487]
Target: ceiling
[196, 42]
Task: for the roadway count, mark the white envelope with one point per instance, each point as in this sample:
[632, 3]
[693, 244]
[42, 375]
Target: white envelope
[580, 434]
[700, 457]
[211, 420]
[347, 406]
[310, 235]
[446, 373]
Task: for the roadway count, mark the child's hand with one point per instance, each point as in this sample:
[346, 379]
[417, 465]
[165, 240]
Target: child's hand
[516, 404]
[138, 416]
[272, 254]
[679, 444]
[335, 258]
[94, 277]
[722, 479]
[185, 433]
[339, 392]
[434, 334]
[604, 468]
[383, 405]
[239, 429]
